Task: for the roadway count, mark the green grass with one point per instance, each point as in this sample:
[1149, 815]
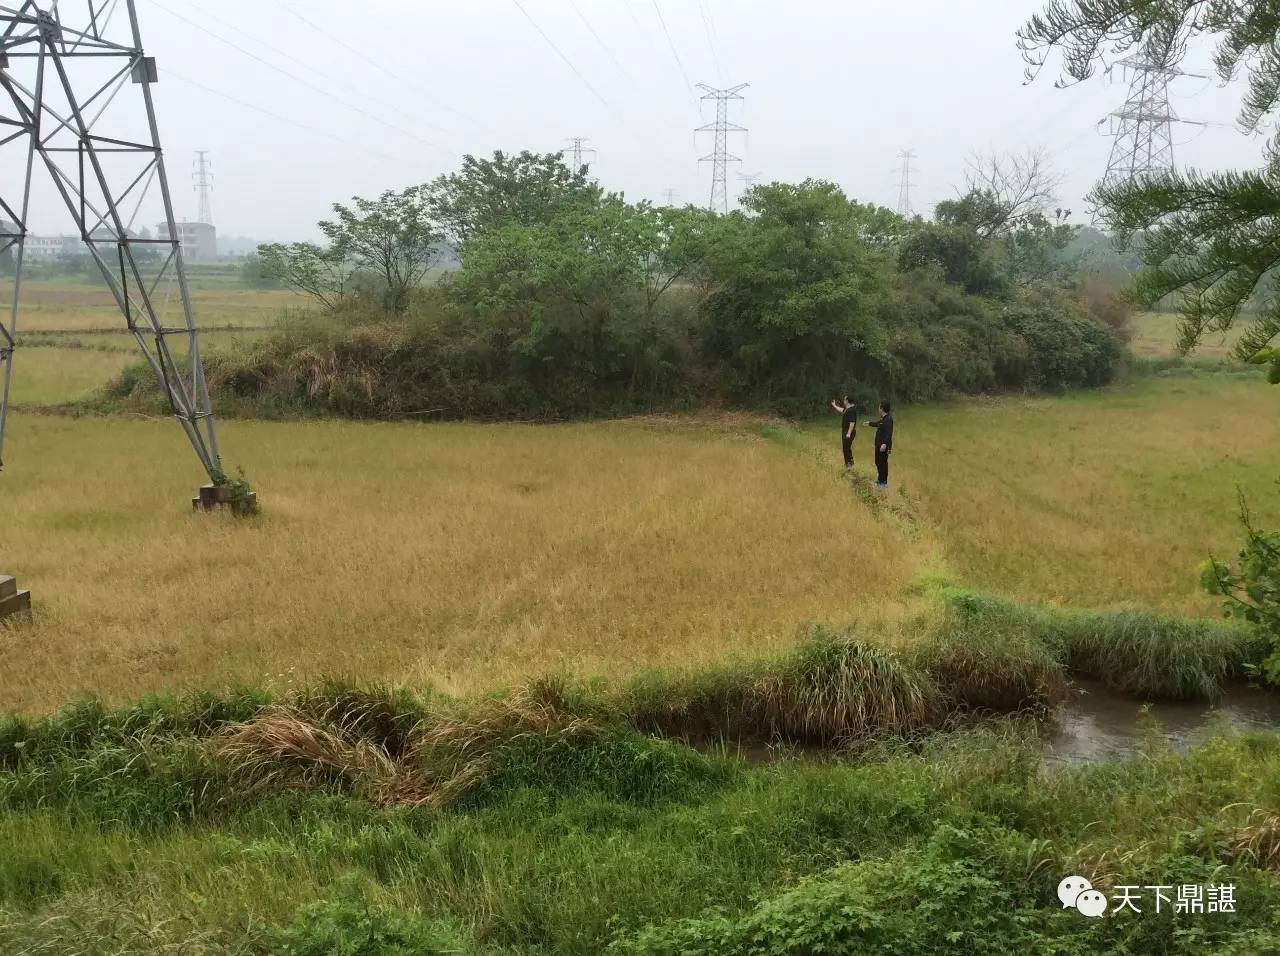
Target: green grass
[123, 835]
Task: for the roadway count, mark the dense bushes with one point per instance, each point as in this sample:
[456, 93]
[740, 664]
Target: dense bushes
[570, 302]
[932, 340]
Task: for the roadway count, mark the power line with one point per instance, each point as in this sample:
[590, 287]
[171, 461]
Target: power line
[292, 122]
[288, 56]
[671, 43]
[711, 41]
[569, 63]
[599, 39]
[381, 67]
[307, 83]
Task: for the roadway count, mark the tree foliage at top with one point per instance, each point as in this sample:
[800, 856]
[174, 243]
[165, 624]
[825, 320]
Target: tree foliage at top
[1000, 233]
[524, 189]
[1211, 240]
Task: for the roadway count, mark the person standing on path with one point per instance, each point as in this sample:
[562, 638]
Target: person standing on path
[884, 443]
[848, 427]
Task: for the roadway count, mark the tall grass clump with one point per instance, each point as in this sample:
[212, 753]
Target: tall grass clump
[1131, 650]
[829, 688]
[982, 666]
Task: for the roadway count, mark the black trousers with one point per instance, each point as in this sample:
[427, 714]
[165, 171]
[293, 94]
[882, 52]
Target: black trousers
[882, 466]
[847, 445]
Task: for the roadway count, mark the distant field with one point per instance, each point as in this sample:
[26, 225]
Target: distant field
[77, 338]
[468, 555]
[51, 376]
[78, 306]
[1155, 335]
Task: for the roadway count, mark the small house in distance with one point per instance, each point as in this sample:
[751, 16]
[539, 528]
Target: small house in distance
[199, 240]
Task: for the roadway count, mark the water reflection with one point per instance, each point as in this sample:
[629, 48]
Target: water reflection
[1101, 723]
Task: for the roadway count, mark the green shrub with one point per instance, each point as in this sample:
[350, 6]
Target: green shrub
[982, 667]
[349, 926]
[1131, 650]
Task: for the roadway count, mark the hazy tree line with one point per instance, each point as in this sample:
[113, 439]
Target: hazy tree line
[568, 300]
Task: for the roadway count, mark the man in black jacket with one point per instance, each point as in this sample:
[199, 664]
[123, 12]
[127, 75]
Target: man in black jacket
[848, 427]
[884, 443]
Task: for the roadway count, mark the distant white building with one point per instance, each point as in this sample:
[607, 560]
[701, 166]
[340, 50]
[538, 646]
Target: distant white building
[199, 240]
[51, 248]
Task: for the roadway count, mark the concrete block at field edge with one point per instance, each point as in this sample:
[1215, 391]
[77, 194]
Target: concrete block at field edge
[245, 506]
[8, 587]
[19, 603]
[215, 494]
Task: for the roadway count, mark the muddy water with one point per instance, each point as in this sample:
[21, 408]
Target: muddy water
[1101, 723]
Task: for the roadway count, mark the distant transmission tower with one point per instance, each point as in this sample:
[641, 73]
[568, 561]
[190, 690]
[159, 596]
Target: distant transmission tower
[749, 179]
[904, 182]
[61, 83]
[720, 157]
[580, 150]
[202, 175]
[670, 196]
[1143, 127]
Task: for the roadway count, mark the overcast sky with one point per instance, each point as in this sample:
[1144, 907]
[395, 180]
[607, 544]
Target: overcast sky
[388, 93]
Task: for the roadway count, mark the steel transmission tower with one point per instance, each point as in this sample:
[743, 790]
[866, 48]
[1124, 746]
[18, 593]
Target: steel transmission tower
[720, 157]
[580, 150]
[67, 110]
[1143, 127]
[904, 182]
[202, 176]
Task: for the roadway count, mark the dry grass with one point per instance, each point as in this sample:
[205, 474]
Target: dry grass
[50, 376]
[1097, 498]
[68, 305]
[463, 555]
[1155, 335]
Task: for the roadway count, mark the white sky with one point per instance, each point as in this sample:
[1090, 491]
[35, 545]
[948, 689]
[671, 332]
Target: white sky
[837, 89]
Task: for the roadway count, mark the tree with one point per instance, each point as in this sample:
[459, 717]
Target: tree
[955, 247]
[797, 288]
[1251, 590]
[322, 273]
[254, 275]
[524, 189]
[1211, 240]
[1005, 190]
[392, 237]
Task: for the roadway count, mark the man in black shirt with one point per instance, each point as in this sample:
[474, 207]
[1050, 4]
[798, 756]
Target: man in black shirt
[884, 443]
[848, 427]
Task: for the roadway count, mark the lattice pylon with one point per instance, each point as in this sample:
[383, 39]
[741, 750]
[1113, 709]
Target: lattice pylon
[63, 103]
[720, 157]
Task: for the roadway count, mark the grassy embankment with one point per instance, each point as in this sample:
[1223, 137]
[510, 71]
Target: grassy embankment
[549, 821]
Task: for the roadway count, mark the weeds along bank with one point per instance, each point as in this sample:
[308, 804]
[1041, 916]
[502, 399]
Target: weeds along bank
[563, 817]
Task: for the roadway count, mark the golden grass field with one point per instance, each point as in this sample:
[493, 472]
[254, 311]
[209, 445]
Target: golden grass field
[475, 554]
[460, 554]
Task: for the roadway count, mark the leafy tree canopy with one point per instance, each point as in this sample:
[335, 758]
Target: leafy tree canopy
[522, 189]
[1211, 240]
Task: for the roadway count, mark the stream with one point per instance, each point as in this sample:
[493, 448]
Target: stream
[1101, 723]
